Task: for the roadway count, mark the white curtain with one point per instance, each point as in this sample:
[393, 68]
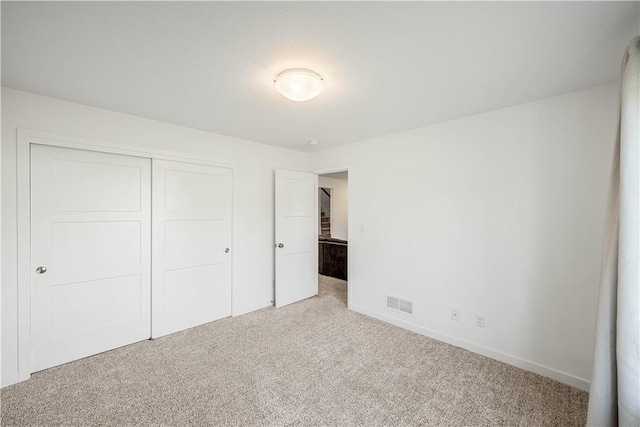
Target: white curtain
[615, 383]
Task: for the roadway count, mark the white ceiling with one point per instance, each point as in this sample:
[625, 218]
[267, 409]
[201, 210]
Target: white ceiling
[388, 66]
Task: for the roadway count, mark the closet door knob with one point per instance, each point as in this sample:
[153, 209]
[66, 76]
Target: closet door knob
[226, 250]
[281, 245]
[41, 270]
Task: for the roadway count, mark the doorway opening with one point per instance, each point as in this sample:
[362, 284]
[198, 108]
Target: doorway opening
[333, 244]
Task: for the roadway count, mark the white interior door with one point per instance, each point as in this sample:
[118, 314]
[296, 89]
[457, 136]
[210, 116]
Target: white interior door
[90, 230]
[191, 245]
[296, 217]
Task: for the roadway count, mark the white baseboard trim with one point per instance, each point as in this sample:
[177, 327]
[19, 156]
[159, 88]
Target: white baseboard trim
[509, 359]
[11, 379]
[248, 309]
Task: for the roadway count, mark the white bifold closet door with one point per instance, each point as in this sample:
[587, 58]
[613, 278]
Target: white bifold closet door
[90, 253]
[191, 245]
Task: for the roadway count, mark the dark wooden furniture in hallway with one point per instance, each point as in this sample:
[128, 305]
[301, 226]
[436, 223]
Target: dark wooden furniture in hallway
[332, 257]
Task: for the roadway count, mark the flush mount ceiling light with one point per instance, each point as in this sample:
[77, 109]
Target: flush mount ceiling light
[298, 84]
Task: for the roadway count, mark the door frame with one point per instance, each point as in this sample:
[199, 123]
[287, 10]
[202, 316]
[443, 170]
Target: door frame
[27, 137]
[350, 228]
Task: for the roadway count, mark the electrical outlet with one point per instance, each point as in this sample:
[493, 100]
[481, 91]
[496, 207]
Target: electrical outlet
[455, 314]
[479, 321]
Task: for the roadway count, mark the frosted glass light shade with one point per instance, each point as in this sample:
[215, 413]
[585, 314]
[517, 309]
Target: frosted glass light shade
[298, 84]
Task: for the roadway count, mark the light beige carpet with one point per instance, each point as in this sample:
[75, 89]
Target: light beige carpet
[311, 363]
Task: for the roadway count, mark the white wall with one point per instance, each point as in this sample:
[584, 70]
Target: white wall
[499, 214]
[253, 187]
[339, 205]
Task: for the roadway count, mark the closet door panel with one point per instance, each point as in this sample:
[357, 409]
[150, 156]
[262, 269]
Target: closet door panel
[191, 245]
[90, 253]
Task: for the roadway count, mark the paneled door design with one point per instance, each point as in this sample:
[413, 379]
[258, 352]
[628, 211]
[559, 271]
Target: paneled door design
[191, 245]
[296, 236]
[90, 253]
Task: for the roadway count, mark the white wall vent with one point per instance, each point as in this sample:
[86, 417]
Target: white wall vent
[393, 303]
[406, 307]
[398, 304]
